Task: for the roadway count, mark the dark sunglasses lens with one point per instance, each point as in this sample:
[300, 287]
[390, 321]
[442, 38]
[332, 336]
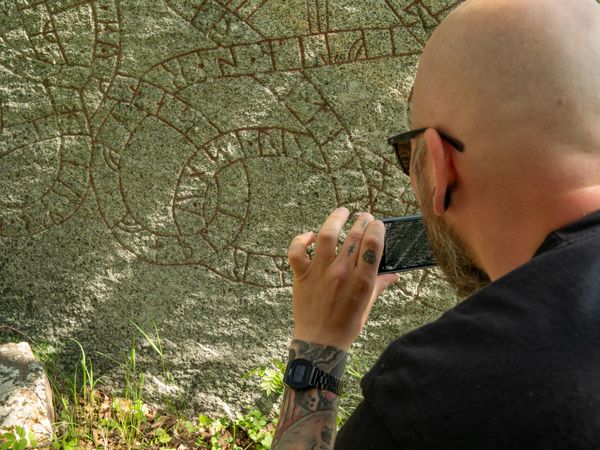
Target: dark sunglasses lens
[403, 151]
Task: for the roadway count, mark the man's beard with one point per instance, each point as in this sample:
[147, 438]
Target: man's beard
[452, 256]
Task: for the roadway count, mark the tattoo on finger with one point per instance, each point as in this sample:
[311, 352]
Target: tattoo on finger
[352, 248]
[369, 257]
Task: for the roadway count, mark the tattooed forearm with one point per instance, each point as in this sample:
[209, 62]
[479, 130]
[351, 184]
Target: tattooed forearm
[330, 359]
[308, 418]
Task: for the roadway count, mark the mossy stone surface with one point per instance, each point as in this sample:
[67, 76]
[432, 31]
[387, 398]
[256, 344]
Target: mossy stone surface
[157, 158]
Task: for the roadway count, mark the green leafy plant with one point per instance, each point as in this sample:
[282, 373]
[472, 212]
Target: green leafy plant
[17, 439]
[65, 443]
[356, 367]
[255, 425]
[271, 378]
[89, 418]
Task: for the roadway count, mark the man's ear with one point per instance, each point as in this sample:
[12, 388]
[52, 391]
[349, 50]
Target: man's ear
[444, 174]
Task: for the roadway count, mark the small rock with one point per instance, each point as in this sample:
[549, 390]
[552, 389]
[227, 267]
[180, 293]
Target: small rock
[25, 393]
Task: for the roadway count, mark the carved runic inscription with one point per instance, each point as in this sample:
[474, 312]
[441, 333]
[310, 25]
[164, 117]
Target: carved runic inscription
[50, 104]
[206, 140]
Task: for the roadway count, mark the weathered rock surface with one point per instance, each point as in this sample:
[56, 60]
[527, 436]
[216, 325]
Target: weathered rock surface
[157, 157]
[25, 394]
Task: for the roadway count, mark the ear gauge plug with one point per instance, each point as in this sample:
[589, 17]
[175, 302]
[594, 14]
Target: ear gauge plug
[447, 199]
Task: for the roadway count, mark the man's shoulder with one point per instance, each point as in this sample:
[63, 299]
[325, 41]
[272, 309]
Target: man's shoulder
[538, 303]
[518, 347]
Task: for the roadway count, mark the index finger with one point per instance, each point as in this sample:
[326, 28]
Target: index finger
[328, 236]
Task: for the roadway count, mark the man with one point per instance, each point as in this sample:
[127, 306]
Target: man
[507, 173]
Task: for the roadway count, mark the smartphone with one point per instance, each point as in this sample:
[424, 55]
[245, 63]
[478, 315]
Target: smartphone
[406, 246]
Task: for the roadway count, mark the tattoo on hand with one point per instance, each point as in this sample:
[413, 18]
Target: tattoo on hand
[352, 248]
[308, 418]
[369, 257]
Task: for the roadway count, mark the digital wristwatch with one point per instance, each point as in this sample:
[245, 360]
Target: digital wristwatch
[302, 374]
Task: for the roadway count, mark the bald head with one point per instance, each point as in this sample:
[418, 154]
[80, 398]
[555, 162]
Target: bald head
[510, 70]
[518, 82]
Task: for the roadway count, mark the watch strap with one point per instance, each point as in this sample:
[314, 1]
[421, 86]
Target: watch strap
[326, 381]
[314, 378]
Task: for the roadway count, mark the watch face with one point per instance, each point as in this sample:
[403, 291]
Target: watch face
[297, 374]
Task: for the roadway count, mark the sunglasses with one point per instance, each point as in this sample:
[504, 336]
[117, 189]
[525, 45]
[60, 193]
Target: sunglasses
[401, 145]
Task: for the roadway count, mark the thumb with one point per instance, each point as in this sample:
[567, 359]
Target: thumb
[383, 281]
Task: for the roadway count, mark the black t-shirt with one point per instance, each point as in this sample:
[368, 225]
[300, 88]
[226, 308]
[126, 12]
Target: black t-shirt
[515, 366]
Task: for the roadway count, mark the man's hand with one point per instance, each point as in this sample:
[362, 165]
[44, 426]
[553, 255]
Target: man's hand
[333, 293]
[332, 298]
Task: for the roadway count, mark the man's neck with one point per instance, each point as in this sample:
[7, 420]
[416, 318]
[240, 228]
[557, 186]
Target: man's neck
[507, 239]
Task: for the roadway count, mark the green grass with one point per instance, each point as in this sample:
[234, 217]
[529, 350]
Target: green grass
[89, 418]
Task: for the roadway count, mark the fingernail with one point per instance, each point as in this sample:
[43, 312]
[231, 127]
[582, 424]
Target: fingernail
[367, 215]
[342, 209]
